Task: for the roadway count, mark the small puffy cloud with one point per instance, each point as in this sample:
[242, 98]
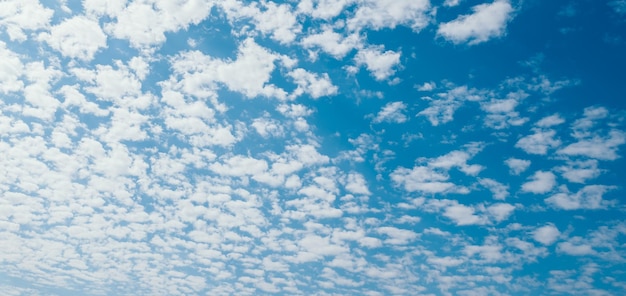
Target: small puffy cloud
[397, 236]
[501, 113]
[580, 171]
[11, 70]
[539, 142]
[451, 3]
[323, 9]
[313, 84]
[16, 16]
[499, 190]
[144, 24]
[598, 147]
[442, 108]
[421, 179]
[381, 64]
[248, 74]
[500, 211]
[589, 197]
[392, 112]
[516, 165]
[355, 183]
[463, 215]
[379, 14]
[575, 247]
[541, 182]
[487, 21]
[547, 234]
[332, 43]
[427, 86]
[550, 121]
[268, 127]
[78, 37]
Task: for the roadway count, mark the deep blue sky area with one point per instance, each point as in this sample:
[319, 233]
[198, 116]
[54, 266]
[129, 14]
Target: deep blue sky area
[313, 147]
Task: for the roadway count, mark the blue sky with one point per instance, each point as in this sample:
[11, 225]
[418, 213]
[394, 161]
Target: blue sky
[315, 147]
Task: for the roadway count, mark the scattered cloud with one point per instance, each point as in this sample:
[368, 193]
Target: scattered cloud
[541, 182]
[392, 112]
[486, 22]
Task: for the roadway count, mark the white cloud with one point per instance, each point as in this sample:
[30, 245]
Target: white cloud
[487, 21]
[313, 84]
[442, 109]
[550, 121]
[598, 147]
[397, 236]
[379, 14]
[433, 176]
[541, 182]
[499, 190]
[20, 15]
[356, 183]
[501, 114]
[249, 74]
[391, 112]
[268, 17]
[580, 171]
[144, 24]
[78, 37]
[517, 166]
[268, 127]
[427, 86]
[451, 3]
[10, 70]
[332, 43]
[110, 7]
[380, 64]
[589, 197]
[463, 215]
[575, 248]
[539, 142]
[324, 9]
[500, 211]
[547, 234]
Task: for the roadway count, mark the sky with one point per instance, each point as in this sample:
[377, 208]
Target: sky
[313, 147]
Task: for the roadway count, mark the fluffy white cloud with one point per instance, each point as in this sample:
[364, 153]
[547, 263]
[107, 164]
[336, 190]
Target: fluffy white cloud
[499, 190]
[379, 14]
[517, 166]
[78, 37]
[580, 171]
[589, 197]
[324, 9]
[249, 74]
[145, 24]
[574, 248]
[313, 84]
[381, 64]
[16, 16]
[541, 182]
[547, 234]
[487, 21]
[332, 43]
[442, 109]
[539, 142]
[391, 112]
[550, 121]
[433, 176]
[462, 215]
[603, 148]
[10, 70]
[278, 20]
